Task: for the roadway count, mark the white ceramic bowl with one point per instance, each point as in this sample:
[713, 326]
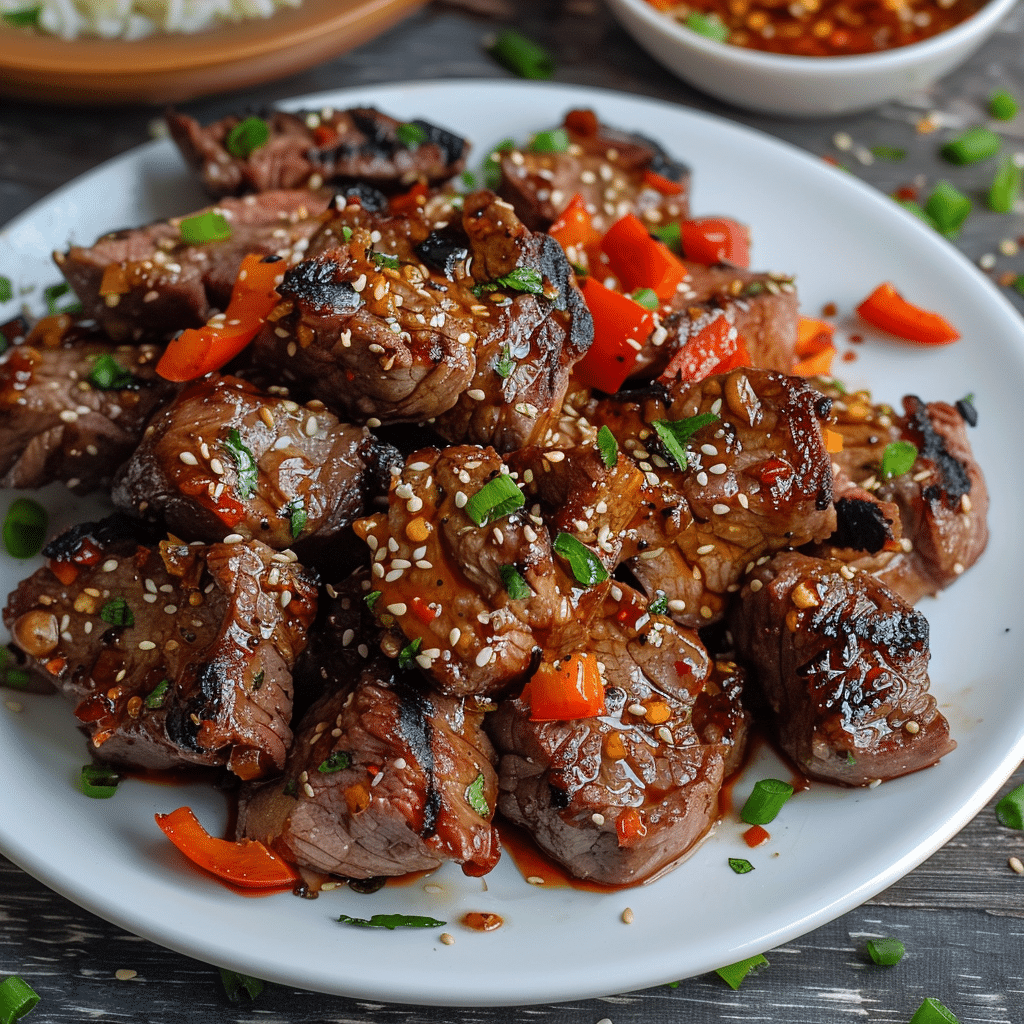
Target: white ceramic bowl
[803, 86]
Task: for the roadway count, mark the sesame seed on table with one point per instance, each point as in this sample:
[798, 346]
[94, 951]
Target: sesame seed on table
[960, 914]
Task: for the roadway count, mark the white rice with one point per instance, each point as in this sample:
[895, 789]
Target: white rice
[134, 19]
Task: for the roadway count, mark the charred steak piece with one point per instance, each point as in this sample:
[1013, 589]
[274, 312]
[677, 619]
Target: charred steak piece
[842, 661]
[149, 283]
[225, 458]
[618, 797]
[176, 655]
[383, 779]
[73, 405]
[308, 149]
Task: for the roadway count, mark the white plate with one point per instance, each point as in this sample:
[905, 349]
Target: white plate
[831, 849]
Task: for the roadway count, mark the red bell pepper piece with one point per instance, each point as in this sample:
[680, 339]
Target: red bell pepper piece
[573, 226]
[715, 240]
[411, 201]
[246, 863]
[640, 261]
[713, 347]
[815, 348]
[887, 309]
[565, 690]
[666, 186]
[201, 350]
[621, 326]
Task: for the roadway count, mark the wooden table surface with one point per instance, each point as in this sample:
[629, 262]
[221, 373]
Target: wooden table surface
[960, 914]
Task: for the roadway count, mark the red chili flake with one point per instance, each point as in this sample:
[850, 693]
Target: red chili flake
[848, 357]
[683, 668]
[829, 309]
[426, 613]
[756, 835]
[324, 136]
[857, 338]
[774, 469]
[907, 193]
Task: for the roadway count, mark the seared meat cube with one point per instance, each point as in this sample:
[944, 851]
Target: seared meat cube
[383, 779]
[757, 480]
[620, 796]
[842, 661]
[307, 149]
[472, 586]
[148, 283]
[73, 405]
[616, 173]
[175, 654]
[225, 458]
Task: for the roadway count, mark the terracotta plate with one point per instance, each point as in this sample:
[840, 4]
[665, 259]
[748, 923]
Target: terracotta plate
[171, 68]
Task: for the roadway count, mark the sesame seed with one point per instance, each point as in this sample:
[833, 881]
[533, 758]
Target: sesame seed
[308, 790]
[146, 645]
[217, 467]
[68, 415]
[125, 974]
[395, 574]
[719, 509]
[476, 394]
[460, 499]
[627, 915]
[706, 612]
[537, 880]
[702, 478]
[1016, 866]
[665, 734]
[705, 549]
[912, 728]
[170, 609]
[188, 458]
[347, 637]
[484, 656]
[637, 709]
[874, 783]
[398, 608]
[109, 565]
[311, 426]
[597, 818]
[414, 504]
[401, 563]
[419, 467]
[676, 605]
[233, 538]
[447, 938]
[285, 598]
[743, 500]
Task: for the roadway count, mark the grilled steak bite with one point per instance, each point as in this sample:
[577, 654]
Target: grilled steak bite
[615, 172]
[73, 405]
[384, 778]
[148, 283]
[842, 661]
[467, 575]
[226, 458]
[308, 149]
[175, 654]
[617, 797]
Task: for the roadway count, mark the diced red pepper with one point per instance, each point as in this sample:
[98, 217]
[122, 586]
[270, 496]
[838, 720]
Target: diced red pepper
[573, 226]
[566, 689]
[715, 240]
[621, 326]
[756, 835]
[713, 344]
[666, 186]
[640, 261]
[887, 309]
[66, 572]
[815, 347]
[409, 201]
[426, 613]
[630, 827]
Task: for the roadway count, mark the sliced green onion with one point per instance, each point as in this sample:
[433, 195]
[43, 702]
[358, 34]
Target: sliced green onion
[108, 375]
[411, 135]
[740, 866]
[236, 985]
[346, 233]
[675, 434]
[53, 292]
[972, 146]
[208, 226]
[297, 520]
[27, 17]
[646, 297]
[371, 598]
[521, 279]
[407, 655]
[506, 365]
[117, 612]
[495, 500]
[918, 211]
[336, 761]
[491, 170]
[392, 921]
[1002, 106]
[521, 56]
[554, 141]
[734, 974]
[475, 797]
[886, 952]
[1010, 810]
[24, 528]
[898, 457]
[246, 468]
[889, 153]
[158, 694]
[931, 1011]
[659, 606]
[99, 781]
[246, 136]
[671, 234]
[708, 25]
[515, 585]
[468, 179]
[765, 801]
[6, 289]
[948, 207]
[608, 447]
[383, 259]
[16, 678]
[585, 565]
[16, 998]
[1005, 187]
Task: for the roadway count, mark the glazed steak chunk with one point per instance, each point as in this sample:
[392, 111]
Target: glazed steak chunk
[225, 458]
[148, 283]
[174, 654]
[73, 405]
[307, 149]
[617, 797]
[842, 662]
[384, 778]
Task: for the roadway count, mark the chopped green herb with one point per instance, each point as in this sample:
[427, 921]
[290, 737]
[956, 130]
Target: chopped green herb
[297, 516]
[371, 598]
[521, 279]
[1002, 106]
[246, 469]
[918, 211]
[889, 153]
[645, 297]
[495, 500]
[117, 612]
[734, 974]
[1005, 187]
[1018, 285]
[505, 365]
[659, 606]
[476, 799]
[382, 260]
[585, 565]
[521, 55]
[209, 226]
[740, 866]
[708, 25]
[158, 694]
[290, 788]
[850, 759]
[6, 289]
[608, 446]
[1010, 810]
[898, 457]
[411, 135]
[948, 207]
[675, 434]
[99, 781]
[24, 528]
[468, 179]
[53, 292]
[336, 761]
[491, 169]
[392, 921]
[765, 801]
[17, 997]
[407, 655]
[886, 952]
[516, 586]
[107, 375]
[931, 1011]
[257, 680]
[236, 985]
[671, 234]
[25, 17]
[346, 233]
[16, 678]
[972, 146]
[554, 141]
[246, 136]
